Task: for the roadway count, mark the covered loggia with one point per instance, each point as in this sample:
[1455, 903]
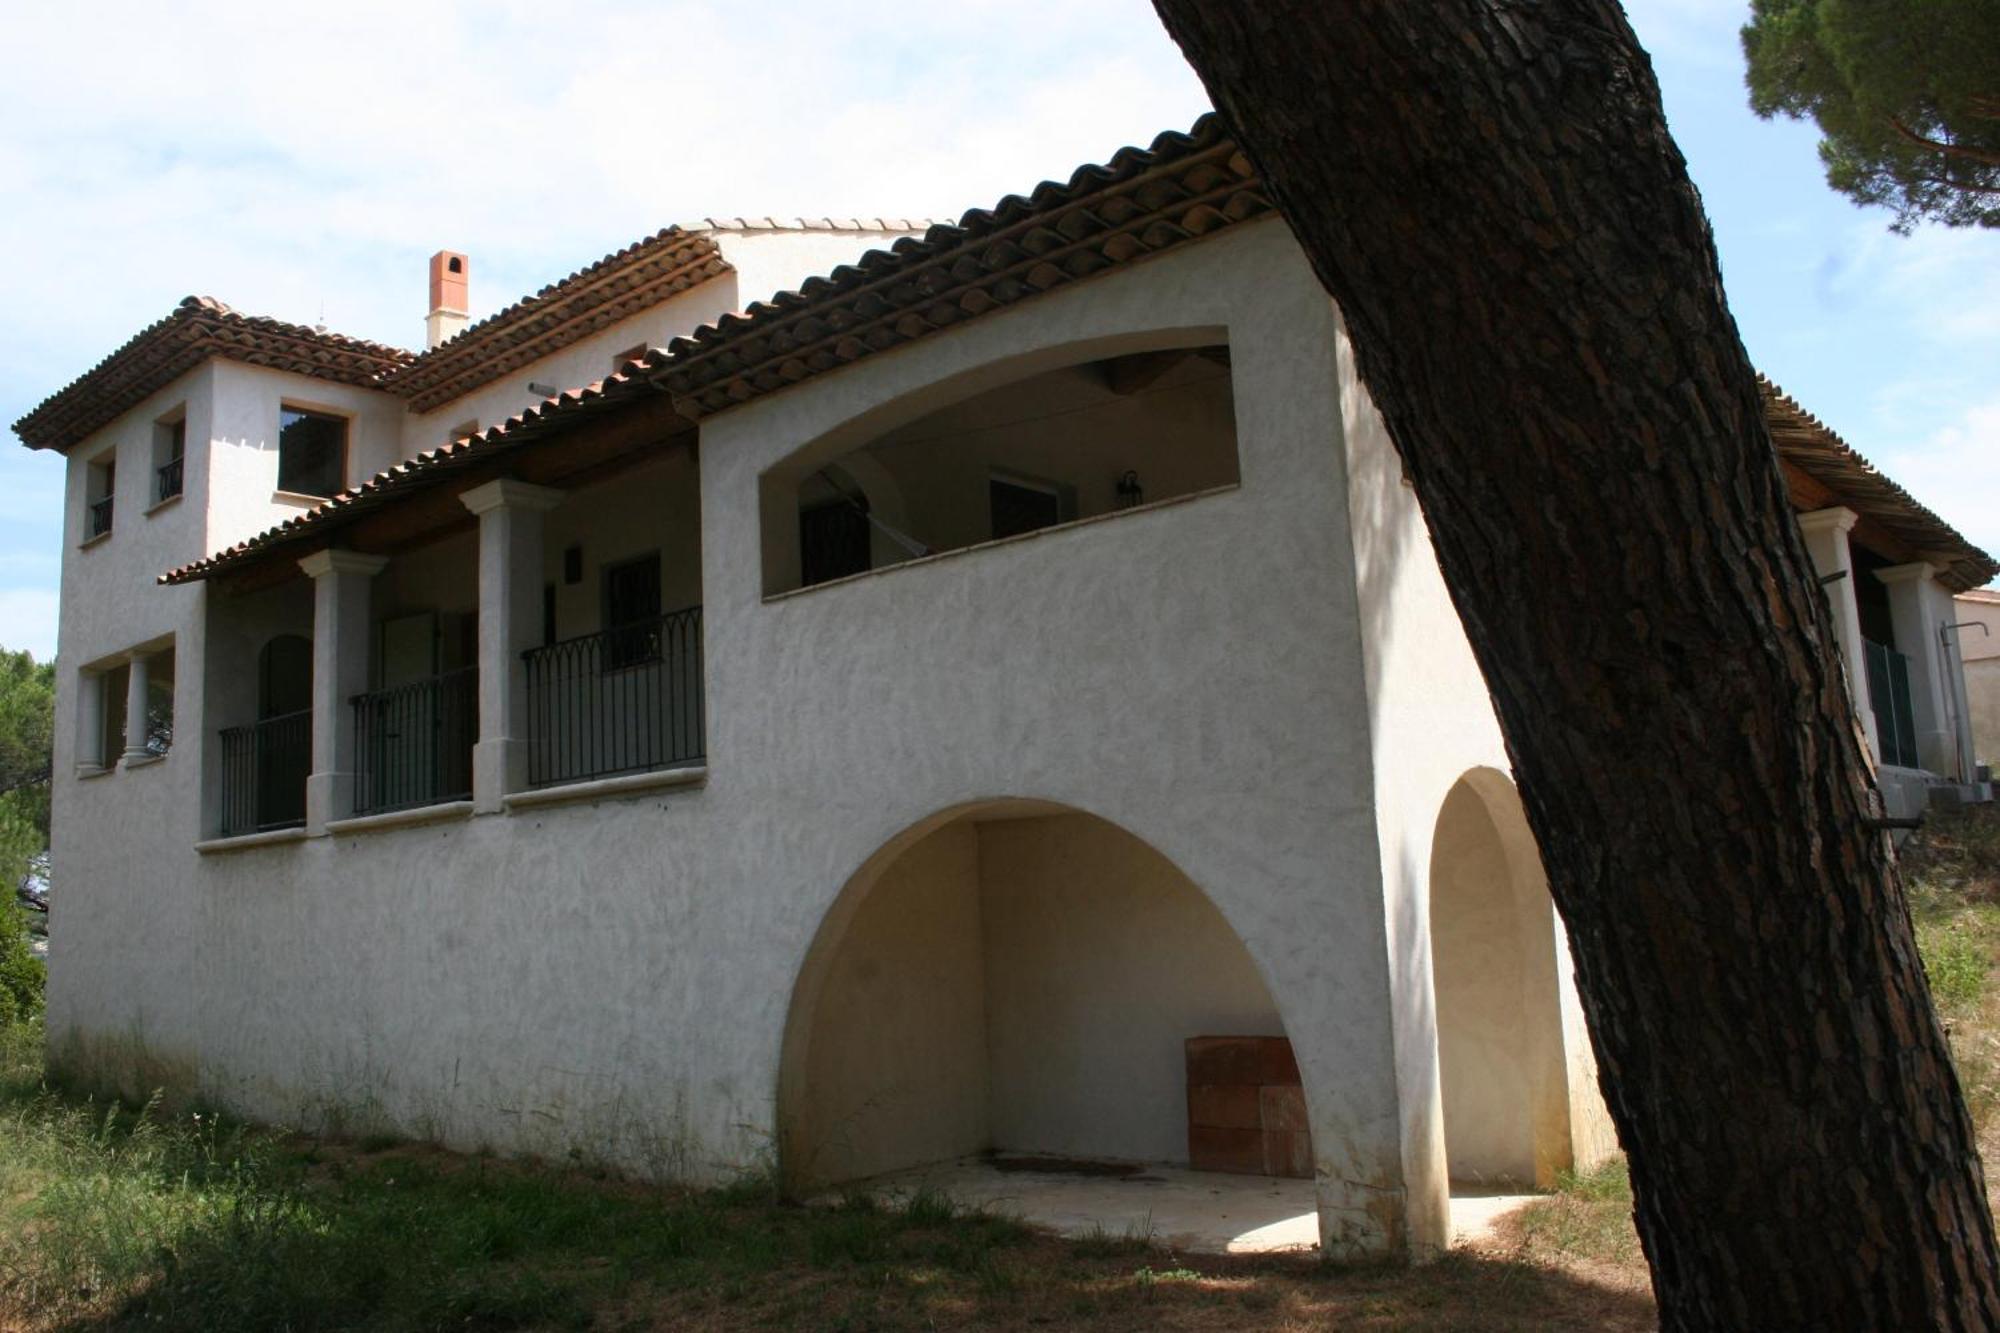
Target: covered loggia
[1018, 979]
[1110, 431]
[1516, 1078]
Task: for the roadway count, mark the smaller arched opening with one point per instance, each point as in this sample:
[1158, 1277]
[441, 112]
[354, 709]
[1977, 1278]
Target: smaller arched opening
[1021, 1002]
[1114, 428]
[1499, 986]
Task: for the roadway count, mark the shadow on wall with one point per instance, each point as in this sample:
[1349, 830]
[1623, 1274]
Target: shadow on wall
[1017, 977]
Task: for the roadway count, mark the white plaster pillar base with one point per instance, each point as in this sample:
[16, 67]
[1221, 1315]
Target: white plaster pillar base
[341, 589]
[1826, 532]
[510, 598]
[90, 746]
[135, 710]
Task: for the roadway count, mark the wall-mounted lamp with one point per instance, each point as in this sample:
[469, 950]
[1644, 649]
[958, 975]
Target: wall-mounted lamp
[1130, 493]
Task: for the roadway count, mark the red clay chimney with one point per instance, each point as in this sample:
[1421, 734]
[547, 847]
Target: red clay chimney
[449, 306]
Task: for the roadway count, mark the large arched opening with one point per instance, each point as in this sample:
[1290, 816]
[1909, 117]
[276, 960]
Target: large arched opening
[1498, 981]
[1021, 982]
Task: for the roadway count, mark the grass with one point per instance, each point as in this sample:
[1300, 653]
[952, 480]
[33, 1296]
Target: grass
[117, 1217]
[1951, 871]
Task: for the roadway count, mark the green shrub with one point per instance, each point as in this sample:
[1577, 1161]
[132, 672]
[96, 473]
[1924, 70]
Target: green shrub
[22, 975]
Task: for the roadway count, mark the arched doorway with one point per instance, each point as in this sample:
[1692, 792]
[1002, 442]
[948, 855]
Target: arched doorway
[1016, 978]
[1498, 985]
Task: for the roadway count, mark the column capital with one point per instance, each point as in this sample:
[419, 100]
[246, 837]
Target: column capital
[1913, 572]
[1836, 519]
[508, 493]
[331, 561]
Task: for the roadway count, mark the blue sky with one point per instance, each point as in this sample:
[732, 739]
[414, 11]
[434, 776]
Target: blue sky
[304, 161]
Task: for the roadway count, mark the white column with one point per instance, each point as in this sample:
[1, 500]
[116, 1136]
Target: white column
[510, 622]
[1826, 541]
[1954, 674]
[1913, 610]
[91, 756]
[135, 710]
[341, 590]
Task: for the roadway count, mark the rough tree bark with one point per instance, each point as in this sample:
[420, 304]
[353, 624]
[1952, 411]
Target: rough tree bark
[1489, 191]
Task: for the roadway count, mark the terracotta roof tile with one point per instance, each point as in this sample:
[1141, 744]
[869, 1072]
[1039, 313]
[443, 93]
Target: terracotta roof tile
[199, 327]
[1140, 203]
[550, 416]
[621, 284]
[1810, 445]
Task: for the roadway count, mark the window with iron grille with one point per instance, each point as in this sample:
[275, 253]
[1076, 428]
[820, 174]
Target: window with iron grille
[169, 458]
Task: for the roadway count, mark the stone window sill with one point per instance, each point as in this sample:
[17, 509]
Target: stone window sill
[598, 789]
[298, 500]
[245, 841]
[422, 814]
[88, 542]
[167, 503]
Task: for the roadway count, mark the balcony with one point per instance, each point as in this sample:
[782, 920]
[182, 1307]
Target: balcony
[413, 743]
[168, 478]
[627, 700]
[1889, 697]
[98, 517]
[264, 769]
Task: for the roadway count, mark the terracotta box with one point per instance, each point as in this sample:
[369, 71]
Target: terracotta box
[1246, 1108]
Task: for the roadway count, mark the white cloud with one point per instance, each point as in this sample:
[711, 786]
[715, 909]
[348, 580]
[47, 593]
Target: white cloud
[1953, 471]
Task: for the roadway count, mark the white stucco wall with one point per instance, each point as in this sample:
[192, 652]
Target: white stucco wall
[896, 1063]
[1430, 723]
[617, 976]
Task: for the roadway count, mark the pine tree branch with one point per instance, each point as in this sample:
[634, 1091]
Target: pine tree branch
[1979, 155]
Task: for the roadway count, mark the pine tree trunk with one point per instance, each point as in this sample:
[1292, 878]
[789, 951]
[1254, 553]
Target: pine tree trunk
[1489, 192]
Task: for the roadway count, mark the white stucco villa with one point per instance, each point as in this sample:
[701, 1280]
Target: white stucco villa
[974, 700]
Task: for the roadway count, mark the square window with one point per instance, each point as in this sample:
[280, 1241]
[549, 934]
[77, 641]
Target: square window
[312, 452]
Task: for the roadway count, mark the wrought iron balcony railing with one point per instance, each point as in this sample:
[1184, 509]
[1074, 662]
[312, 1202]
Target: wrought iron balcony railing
[168, 479]
[264, 769]
[626, 700]
[100, 517]
[413, 743]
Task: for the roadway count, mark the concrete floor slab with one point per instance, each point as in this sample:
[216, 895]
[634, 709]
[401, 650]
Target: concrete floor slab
[1197, 1212]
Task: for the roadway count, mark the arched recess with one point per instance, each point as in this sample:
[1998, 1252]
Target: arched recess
[1013, 976]
[1498, 980]
[1028, 441]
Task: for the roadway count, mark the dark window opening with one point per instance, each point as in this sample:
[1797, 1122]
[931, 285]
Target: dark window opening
[1019, 506]
[159, 737]
[632, 612]
[103, 486]
[1871, 597]
[548, 614]
[833, 540]
[170, 455]
[312, 452]
[284, 676]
